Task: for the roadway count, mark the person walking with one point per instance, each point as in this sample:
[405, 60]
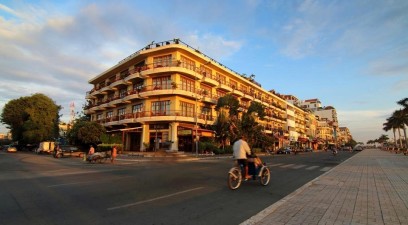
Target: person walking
[114, 154]
[91, 150]
[241, 150]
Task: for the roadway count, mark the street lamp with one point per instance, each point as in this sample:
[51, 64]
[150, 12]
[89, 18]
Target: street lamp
[196, 123]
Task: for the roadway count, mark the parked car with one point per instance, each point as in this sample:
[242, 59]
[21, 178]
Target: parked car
[11, 149]
[358, 148]
[69, 151]
[45, 147]
[284, 151]
[346, 148]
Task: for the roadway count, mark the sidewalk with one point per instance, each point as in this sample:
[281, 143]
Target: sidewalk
[369, 188]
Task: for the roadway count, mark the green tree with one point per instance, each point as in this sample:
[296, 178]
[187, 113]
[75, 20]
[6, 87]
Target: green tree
[383, 138]
[226, 126]
[402, 117]
[32, 119]
[390, 124]
[85, 132]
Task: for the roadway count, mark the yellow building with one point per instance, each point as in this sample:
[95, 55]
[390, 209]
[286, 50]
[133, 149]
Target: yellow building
[164, 94]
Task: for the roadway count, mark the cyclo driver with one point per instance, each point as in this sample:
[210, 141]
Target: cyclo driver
[241, 150]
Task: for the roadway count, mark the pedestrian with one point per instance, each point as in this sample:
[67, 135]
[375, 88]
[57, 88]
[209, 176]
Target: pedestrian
[114, 154]
[91, 150]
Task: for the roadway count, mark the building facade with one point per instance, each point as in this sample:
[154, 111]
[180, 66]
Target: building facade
[164, 96]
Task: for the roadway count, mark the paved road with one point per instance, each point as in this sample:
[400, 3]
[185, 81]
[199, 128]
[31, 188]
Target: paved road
[43, 190]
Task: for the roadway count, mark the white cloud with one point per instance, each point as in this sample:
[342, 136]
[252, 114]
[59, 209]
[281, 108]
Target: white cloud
[212, 45]
[364, 124]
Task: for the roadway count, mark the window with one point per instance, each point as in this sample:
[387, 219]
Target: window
[187, 63]
[122, 92]
[206, 90]
[99, 117]
[161, 108]
[111, 96]
[233, 84]
[121, 113]
[221, 78]
[162, 61]
[205, 112]
[138, 86]
[187, 84]
[109, 114]
[187, 109]
[162, 82]
[205, 71]
[123, 74]
[137, 108]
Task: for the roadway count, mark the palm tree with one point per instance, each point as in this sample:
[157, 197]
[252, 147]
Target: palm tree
[390, 124]
[382, 138]
[402, 116]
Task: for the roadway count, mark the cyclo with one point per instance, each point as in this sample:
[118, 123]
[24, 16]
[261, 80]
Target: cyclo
[256, 169]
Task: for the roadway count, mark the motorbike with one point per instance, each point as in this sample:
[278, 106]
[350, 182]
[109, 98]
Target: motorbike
[257, 171]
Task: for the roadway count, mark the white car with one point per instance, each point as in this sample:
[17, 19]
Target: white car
[11, 149]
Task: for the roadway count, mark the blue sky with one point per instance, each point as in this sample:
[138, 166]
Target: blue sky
[352, 55]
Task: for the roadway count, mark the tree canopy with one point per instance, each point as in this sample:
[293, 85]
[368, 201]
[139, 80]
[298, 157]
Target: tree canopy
[32, 119]
[233, 122]
[85, 132]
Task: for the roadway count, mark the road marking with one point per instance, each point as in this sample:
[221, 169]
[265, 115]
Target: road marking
[287, 165]
[277, 164]
[325, 169]
[312, 167]
[299, 166]
[153, 199]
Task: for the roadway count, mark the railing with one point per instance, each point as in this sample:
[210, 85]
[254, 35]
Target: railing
[152, 114]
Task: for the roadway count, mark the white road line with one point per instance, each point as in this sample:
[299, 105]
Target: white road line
[312, 167]
[299, 166]
[153, 199]
[287, 165]
[325, 169]
[277, 164]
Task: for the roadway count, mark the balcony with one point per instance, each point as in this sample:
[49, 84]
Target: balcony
[209, 79]
[117, 83]
[238, 92]
[152, 116]
[225, 87]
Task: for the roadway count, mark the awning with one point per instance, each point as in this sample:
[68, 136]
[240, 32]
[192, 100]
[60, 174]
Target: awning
[125, 129]
[192, 128]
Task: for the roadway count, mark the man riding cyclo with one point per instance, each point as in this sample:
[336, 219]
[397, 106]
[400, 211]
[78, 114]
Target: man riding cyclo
[248, 161]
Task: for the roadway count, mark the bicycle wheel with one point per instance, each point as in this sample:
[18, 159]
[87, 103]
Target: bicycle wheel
[234, 178]
[264, 176]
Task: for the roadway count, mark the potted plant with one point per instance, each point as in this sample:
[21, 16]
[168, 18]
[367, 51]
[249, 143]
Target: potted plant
[174, 85]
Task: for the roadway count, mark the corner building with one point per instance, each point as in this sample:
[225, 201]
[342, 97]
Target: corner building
[164, 95]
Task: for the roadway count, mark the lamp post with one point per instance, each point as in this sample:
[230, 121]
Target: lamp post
[196, 126]
[196, 123]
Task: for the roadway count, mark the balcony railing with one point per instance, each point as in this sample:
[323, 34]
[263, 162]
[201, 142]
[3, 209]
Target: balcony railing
[152, 114]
